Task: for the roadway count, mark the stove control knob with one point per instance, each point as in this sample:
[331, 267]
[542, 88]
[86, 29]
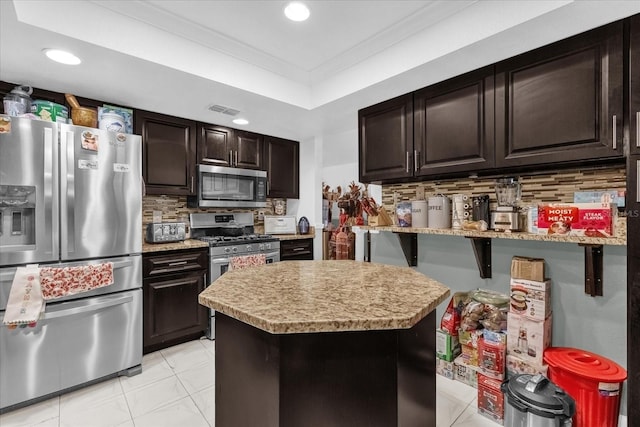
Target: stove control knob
[227, 250]
[267, 245]
[261, 246]
[234, 249]
[249, 248]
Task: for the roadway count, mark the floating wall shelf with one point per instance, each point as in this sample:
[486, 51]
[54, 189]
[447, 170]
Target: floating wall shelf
[481, 244]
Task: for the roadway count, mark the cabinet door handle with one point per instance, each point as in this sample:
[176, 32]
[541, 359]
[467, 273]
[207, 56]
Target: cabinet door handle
[638, 181]
[416, 157]
[407, 163]
[173, 264]
[614, 126]
[638, 129]
[236, 160]
[230, 157]
[192, 183]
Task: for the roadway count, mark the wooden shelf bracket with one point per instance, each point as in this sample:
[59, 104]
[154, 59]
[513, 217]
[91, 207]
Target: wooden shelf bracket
[482, 250]
[593, 269]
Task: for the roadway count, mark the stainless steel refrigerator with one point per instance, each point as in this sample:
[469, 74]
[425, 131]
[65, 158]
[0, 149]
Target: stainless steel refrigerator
[70, 196]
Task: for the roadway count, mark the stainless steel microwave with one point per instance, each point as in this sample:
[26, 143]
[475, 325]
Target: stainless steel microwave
[224, 187]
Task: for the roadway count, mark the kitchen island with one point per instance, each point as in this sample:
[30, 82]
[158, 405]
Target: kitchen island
[325, 343]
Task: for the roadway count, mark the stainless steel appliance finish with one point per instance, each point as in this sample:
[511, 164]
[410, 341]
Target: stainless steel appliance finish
[534, 401]
[70, 203]
[229, 235]
[165, 232]
[225, 187]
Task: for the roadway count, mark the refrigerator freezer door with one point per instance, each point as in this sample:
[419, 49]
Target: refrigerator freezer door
[127, 274]
[100, 187]
[28, 192]
[76, 342]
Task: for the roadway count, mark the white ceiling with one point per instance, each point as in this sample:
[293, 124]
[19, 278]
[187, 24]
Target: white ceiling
[289, 79]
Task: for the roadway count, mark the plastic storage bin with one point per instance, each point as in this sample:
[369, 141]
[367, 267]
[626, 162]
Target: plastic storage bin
[594, 382]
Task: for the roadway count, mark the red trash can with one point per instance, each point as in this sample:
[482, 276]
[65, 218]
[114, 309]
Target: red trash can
[594, 382]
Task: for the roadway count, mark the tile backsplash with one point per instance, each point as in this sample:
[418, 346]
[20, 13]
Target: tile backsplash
[174, 208]
[539, 188]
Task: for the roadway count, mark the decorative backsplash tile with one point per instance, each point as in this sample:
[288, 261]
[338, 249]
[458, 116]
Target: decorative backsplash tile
[540, 188]
[174, 208]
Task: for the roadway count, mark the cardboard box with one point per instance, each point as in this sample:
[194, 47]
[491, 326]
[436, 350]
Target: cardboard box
[530, 298]
[464, 372]
[577, 219]
[447, 346]
[517, 365]
[491, 358]
[469, 354]
[490, 398]
[527, 339]
[602, 196]
[444, 368]
[470, 337]
[527, 268]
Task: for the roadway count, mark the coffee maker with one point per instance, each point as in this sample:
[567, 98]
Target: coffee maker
[506, 217]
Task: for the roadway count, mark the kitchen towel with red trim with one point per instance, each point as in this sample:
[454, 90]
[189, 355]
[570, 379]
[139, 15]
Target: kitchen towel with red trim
[238, 262]
[25, 303]
[59, 282]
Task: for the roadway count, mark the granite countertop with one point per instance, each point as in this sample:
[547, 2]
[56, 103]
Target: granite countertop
[310, 235]
[619, 239]
[173, 246]
[325, 296]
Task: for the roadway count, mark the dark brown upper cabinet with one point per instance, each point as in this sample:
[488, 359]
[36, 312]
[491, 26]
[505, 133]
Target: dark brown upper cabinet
[454, 125]
[221, 146]
[634, 85]
[562, 103]
[282, 162]
[385, 135]
[168, 153]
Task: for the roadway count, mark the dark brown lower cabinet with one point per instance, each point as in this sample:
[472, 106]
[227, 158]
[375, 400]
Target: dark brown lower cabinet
[171, 312]
[296, 250]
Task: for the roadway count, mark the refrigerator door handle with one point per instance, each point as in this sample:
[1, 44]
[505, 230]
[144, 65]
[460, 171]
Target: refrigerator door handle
[50, 194]
[67, 198]
[88, 308]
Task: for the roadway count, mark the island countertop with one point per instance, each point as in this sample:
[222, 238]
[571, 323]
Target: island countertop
[325, 296]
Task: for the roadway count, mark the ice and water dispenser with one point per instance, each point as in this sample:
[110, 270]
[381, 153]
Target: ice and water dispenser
[17, 215]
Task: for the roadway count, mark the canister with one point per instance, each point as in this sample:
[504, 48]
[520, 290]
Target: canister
[419, 214]
[458, 211]
[480, 208]
[439, 208]
[112, 122]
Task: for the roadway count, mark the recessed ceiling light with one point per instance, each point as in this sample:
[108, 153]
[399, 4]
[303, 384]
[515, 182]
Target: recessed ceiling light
[62, 56]
[241, 121]
[296, 11]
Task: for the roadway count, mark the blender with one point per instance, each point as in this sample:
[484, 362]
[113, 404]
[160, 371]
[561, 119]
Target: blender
[506, 217]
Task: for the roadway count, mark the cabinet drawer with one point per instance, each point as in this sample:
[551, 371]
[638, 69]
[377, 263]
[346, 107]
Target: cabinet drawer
[175, 261]
[296, 250]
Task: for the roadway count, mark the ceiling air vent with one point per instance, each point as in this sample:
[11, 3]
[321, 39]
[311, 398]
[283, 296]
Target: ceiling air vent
[224, 110]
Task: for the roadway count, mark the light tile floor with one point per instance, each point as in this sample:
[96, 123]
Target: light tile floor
[176, 389]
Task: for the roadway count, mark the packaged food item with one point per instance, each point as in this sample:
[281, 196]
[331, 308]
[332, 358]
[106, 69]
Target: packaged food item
[464, 372]
[491, 358]
[447, 345]
[516, 365]
[577, 219]
[444, 368]
[490, 398]
[450, 321]
[487, 309]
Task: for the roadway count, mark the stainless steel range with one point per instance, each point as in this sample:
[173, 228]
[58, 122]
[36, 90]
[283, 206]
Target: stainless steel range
[230, 235]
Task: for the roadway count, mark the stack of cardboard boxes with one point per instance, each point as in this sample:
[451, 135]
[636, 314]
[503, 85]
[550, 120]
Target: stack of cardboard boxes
[482, 356]
[529, 319]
